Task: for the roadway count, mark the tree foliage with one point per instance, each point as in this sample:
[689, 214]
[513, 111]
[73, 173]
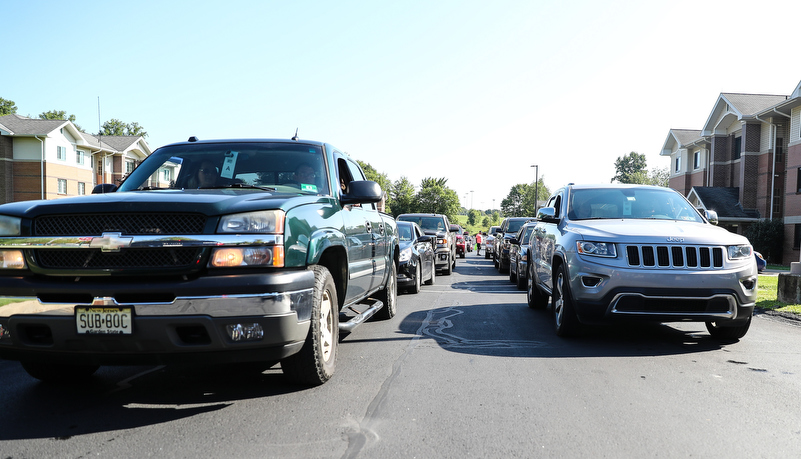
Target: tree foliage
[435, 197]
[402, 193]
[7, 107]
[473, 216]
[117, 127]
[657, 176]
[383, 181]
[520, 202]
[59, 115]
[627, 167]
[767, 237]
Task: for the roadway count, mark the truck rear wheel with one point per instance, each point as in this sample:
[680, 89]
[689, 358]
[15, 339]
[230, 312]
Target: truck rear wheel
[388, 295]
[316, 361]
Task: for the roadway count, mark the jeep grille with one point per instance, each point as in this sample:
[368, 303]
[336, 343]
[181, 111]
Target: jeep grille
[661, 256]
[133, 224]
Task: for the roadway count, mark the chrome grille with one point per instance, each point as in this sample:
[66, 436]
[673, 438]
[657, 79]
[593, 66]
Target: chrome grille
[671, 256]
[127, 223]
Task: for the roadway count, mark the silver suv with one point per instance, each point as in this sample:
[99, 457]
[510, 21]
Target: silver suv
[642, 252]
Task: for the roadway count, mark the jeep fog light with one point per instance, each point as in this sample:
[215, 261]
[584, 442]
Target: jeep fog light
[12, 259]
[245, 332]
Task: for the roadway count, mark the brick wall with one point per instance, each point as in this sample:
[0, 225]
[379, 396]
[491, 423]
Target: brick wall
[792, 203]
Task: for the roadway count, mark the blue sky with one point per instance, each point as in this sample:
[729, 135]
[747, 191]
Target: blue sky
[474, 91]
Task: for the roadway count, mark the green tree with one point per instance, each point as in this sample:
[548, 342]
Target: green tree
[486, 222]
[117, 127]
[767, 237]
[626, 167]
[383, 181]
[436, 198]
[402, 192]
[513, 204]
[59, 115]
[657, 177]
[529, 204]
[496, 218]
[473, 216]
[7, 107]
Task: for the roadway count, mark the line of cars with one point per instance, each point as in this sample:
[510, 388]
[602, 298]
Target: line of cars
[427, 246]
[621, 252]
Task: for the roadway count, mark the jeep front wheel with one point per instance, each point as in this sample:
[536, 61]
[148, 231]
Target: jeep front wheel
[564, 313]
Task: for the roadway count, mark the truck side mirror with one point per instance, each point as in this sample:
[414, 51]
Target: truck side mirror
[362, 192]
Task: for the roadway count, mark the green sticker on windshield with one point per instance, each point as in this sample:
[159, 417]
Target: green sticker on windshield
[308, 187]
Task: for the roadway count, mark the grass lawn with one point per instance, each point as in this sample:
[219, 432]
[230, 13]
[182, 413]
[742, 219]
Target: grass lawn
[767, 293]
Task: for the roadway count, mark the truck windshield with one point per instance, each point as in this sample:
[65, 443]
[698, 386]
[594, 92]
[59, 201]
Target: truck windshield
[630, 203]
[426, 223]
[274, 166]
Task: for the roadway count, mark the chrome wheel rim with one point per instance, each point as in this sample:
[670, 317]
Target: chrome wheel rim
[559, 301]
[326, 326]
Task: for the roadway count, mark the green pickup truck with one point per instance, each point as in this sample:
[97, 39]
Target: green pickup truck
[209, 251]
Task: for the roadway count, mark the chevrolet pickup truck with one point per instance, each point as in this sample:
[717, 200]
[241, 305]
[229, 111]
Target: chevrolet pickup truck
[209, 251]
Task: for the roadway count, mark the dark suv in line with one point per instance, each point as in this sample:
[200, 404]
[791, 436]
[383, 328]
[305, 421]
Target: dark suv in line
[439, 226]
[509, 227]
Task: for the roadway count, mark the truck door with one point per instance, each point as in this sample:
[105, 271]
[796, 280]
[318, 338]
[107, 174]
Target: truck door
[359, 239]
[379, 249]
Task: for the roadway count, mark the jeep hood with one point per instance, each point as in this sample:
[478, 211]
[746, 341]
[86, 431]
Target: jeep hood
[654, 232]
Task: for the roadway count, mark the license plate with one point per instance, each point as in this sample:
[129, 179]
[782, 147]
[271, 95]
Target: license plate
[104, 321]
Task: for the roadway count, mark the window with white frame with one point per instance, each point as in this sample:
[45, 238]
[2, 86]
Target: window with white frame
[166, 175]
[61, 153]
[696, 160]
[62, 186]
[80, 157]
[81, 188]
[129, 167]
[678, 164]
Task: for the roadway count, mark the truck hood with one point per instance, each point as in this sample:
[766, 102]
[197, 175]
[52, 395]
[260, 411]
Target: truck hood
[208, 202]
[654, 232]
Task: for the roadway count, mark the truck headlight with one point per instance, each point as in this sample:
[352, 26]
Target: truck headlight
[266, 221]
[12, 259]
[235, 257]
[596, 249]
[738, 252]
[9, 226]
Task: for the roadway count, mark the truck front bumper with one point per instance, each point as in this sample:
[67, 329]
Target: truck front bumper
[198, 323]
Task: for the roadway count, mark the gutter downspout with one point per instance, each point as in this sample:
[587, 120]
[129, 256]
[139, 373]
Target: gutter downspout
[772, 137]
[41, 166]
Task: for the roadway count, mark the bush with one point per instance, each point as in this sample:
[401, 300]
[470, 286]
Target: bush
[767, 237]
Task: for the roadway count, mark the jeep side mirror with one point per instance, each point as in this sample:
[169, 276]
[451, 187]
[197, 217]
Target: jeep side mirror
[711, 216]
[547, 214]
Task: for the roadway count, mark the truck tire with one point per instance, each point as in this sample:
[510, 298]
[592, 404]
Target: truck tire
[448, 269]
[59, 372]
[512, 274]
[565, 320]
[418, 273]
[389, 295]
[486, 254]
[521, 279]
[316, 361]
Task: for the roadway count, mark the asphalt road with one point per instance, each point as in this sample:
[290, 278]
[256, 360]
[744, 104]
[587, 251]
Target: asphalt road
[466, 369]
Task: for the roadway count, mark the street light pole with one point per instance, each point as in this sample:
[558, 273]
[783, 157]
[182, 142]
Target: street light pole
[471, 199]
[536, 187]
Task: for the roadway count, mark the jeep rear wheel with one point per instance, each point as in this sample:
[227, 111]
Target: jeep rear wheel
[316, 361]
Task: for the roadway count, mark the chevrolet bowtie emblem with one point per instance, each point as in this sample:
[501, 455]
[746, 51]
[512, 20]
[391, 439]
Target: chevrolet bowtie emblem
[110, 242]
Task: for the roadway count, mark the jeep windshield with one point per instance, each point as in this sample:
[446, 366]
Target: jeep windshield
[269, 166]
[630, 203]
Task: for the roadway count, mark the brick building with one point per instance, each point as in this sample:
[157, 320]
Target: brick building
[49, 159]
[744, 163]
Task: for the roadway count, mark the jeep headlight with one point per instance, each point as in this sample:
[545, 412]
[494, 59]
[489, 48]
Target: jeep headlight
[596, 249]
[405, 255]
[739, 252]
[9, 226]
[265, 221]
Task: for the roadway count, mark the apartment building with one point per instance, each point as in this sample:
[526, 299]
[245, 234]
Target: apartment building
[50, 159]
[744, 163]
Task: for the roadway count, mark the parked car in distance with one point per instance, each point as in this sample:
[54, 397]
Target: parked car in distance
[509, 227]
[639, 252]
[439, 226]
[760, 261]
[416, 260]
[468, 241]
[519, 255]
[489, 242]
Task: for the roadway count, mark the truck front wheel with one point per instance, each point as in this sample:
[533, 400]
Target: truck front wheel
[316, 361]
[388, 295]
